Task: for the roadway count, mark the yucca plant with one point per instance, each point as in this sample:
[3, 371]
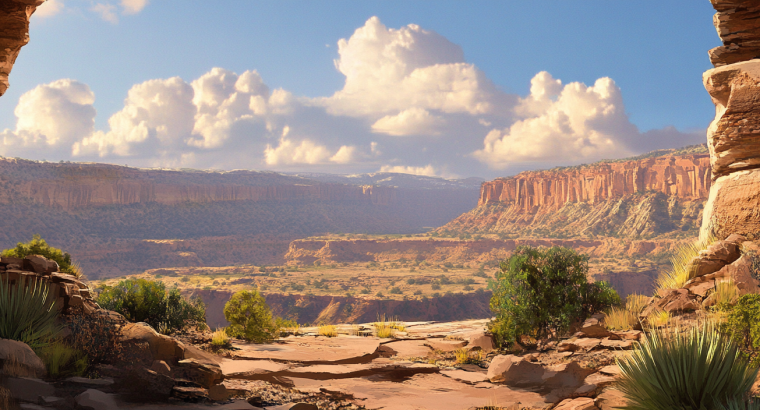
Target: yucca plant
[741, 404]
[26, 314]
[697, 369]
[682, 270]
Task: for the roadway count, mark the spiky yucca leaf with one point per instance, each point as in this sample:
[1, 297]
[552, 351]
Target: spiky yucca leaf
[698, 369]
[741, 404]
[26, 314]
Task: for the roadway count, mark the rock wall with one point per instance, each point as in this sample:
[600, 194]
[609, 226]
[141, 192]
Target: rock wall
[14, 34]
[734, 135]
[639, 198]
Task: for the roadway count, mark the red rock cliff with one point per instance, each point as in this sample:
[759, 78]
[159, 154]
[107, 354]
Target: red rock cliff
[636, 198]
[14, 33]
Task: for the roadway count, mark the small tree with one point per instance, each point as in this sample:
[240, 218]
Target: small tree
[539, 292]
[250, 317]
[38, 246]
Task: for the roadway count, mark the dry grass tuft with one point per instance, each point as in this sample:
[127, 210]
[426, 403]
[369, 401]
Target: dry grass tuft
[634, 303]
[220, 338]
[328, 330]
[619, 319]
[658, 318]
[463, 356]
[682, 269]
[726, 293]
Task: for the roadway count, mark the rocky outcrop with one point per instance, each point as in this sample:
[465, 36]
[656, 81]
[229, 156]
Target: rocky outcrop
[14, 34]
[629, 198]
[738, 26]
[734, 135]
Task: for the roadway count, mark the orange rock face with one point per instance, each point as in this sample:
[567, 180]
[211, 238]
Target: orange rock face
[14, 33]
[734, 135]
[637, 198]
[738, 26]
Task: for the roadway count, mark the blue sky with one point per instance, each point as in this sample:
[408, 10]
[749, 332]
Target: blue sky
[485, 122]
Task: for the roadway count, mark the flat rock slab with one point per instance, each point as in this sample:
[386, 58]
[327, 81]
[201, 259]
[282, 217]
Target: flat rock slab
[446, 328]
[409, 348]
[424, 391]
[312, 350]
[465, 376]
[445, 345]
[240, 368]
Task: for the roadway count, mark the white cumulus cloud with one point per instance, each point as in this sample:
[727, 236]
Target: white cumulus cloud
[290, 152]
[133, 6]
[414, 121]
[574, 122]
[49, 8]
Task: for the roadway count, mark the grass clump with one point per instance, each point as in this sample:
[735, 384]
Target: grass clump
[682, 270]
[27, 314]
[38, 246]
[619, 319]
[61, 359]
[387, 328]
[658, 318]
[220, 338]
[328, 330]
[634, 303]
[540, 291]
[464, 356]
[697, 369]
[726, 294]
[142, 300]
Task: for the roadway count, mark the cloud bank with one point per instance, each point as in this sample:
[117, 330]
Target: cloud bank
[410, 103]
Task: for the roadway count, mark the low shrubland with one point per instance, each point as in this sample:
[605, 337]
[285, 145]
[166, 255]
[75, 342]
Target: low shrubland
[142, 300]
[539, 292]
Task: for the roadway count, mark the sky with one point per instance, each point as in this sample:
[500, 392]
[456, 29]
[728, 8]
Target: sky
[441, 88]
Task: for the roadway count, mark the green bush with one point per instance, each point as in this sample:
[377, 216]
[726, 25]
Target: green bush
[539, 292]
[142, 300]
[250, 317]
[26, 314]
[38, 246]
[743, 324]
[701, 368]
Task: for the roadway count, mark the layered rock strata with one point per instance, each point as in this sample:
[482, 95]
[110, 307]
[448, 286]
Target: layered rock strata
[635, 198]
[14, 34]
[734, 135]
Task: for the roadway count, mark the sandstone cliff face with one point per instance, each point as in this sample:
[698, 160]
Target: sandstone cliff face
[638, 198]
[14, 34]
[734, 135]
[738, 26]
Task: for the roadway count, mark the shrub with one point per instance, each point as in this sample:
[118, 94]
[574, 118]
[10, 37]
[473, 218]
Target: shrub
[38, 246]
[658, 318]
[743, 323]
[395, 291]
[682, 270]
[142, 300]
[696, 369]
[97, 336]
[60, 358]
[220, 338]
[328, 330]
[618, 319]
[540, 291]
[435, 286]
[249, 317]
[26, 314]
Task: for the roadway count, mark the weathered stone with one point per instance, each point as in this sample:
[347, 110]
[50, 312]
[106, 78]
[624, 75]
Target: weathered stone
[600, 380]
[89, 382]
[146, 383]
[22, 358]
[218, 393]
[294, 406]
[96, 400]
[610, 399]
[205, 374]
[700, 288]
[593, 327]
[739, 29]
[581, 403]
[40, 264]
[162, 347]
[575, 344]
[629, 335]
[160, 367]
[612, 370]
[188, 393]
[445, 345]
[28, 388]
[479, 340]
[514, 371]
[674, 300]
[608, 343]
[14, 34]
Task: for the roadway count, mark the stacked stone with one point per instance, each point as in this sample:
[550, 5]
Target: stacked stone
[66, 290]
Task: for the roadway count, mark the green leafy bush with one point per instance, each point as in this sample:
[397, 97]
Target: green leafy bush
[38, 246]
[249, 317]
[743, 324]
[26, 312]
[701, 368]
[142, 300]
[539, 292]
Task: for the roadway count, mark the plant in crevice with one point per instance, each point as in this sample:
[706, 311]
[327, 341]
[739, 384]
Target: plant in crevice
[699, 368]
[682, 269]
[658, 318]
[634, 303]
[27, 314]
[726, 294]
[60, 358]
[618, 319]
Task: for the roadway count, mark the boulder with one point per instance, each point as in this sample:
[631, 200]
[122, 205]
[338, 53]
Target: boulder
[600, 380]
[700, 288]
[673, 300]
[28, 388]
[162, 347]
[96, 400]
[611, 370]
[40, 264]
[218, 393]
[564, 376]
[610, 399]
[515, 371]
[581, 403]
[147, 384]
[204, 373]
[629, 335]
[593, 327]
[479, 340]
[22, 359]
[190, 393]
[160, 367]
[575, 344]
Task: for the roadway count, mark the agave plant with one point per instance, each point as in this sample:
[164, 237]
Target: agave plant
[697, 369]
[26, 314]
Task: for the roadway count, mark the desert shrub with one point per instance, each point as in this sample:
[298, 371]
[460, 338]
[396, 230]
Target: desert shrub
[618, 319]
[97, 336]
[726, 294]
[435, 286]
[26, 314]
[142, 300]
[395, 290]
[38, 246]
[417, 292]
[540, 291]
[249, 317]
[701, 368]
[743, 324]
[328, 330]
[220, 338]
[658, 318]
[682, 270]
[61, 359]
